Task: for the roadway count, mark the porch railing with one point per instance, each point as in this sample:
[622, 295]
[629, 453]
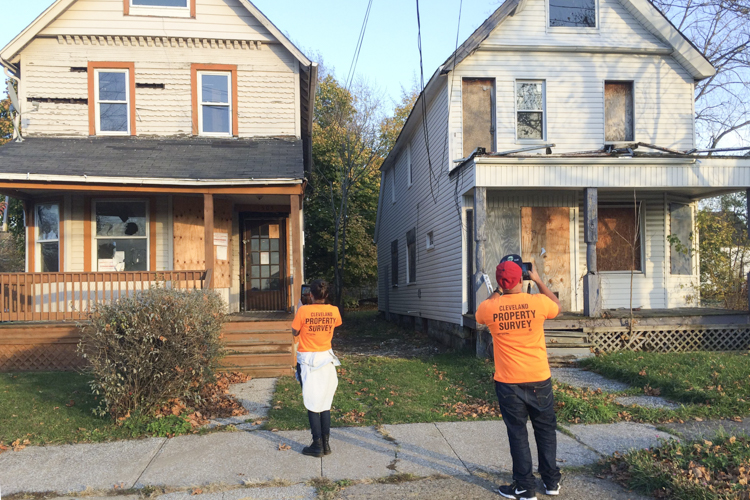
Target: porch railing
[62, 296]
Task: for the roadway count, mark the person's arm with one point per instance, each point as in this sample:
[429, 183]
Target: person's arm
[295, 332]
[542, 287]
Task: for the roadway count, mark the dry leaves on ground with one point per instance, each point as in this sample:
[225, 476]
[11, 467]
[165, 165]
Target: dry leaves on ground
[284, 447]
[474, 408]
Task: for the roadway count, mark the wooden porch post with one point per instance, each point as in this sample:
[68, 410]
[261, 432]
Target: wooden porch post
[480, 219]
[208, 236]
[592, 300]
[297, 275]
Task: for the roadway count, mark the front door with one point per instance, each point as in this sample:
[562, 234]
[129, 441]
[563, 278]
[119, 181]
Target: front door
[265, 286]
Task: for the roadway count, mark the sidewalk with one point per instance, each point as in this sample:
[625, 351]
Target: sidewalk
[457, 449]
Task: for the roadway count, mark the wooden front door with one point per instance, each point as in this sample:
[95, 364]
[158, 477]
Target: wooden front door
[265, 256]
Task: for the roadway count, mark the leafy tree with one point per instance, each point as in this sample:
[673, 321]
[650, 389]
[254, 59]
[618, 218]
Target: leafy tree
[13, 253]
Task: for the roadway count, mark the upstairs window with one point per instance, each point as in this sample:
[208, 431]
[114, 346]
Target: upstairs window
[159, 3]
[530, 110]
[572, 13]
[112, 97]
[618, 112]
[162, 8]
[48, 238]
[214, 99]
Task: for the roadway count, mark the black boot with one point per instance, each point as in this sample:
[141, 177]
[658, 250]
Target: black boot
[326, 446]
[314, 450]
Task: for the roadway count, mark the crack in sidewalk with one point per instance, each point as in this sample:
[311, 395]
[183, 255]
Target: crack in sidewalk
[156, 454]
[453, 450]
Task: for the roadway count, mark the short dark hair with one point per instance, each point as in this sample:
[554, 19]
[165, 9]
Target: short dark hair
[319, 289]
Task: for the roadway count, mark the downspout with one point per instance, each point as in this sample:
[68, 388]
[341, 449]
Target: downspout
[14, 99]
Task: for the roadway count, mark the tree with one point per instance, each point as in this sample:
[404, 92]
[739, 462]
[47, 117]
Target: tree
[6, 121]
[720, 29]
[11, 251]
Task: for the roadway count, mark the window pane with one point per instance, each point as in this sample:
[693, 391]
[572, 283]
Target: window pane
[254, 245]
[113, 117]
[265, 272]
[275, 245]
[120, 218]
[112, 86]
[275, 271]
[48, 221]
[50, 257]
[264, 245]
[215, 88]
[576, 13]
[127, 254]
[255, 284]
[529, 96]
[619, 244]
[255, 272]
[216, 119]
[530, 126]
[618, 111]
[255, 258]
[161, 3]
[681, 227]
[274, 258]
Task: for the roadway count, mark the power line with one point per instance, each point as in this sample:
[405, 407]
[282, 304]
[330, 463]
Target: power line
[424, 107]
[358, 48]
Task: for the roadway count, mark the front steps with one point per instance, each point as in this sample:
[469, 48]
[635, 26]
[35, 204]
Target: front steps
[258, 348]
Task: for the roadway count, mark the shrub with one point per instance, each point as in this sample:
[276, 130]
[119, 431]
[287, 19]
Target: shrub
[155, 346]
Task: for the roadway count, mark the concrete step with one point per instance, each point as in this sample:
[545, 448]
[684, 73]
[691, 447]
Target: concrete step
[570, 345]
[576, 352]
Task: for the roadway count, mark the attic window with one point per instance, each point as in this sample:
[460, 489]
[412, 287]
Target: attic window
[618, 111]
[161, 8]
[159, 3]
[572, 13]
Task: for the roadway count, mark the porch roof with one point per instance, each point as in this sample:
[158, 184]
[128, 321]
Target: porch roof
[142, 158]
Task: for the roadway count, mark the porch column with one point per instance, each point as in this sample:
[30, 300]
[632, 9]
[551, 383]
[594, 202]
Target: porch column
[295, 218]
[208, 236]
[592, 299]
[480, 219]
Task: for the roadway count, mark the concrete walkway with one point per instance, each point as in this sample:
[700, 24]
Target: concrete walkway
[235, 459]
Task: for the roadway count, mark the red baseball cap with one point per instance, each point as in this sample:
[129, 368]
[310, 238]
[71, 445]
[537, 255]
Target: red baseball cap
[508, 274]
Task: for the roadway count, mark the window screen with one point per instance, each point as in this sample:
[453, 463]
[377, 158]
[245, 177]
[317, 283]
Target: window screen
[572, 13]
[394, 263]
[680, 229]
[619, 244]
[618, 111]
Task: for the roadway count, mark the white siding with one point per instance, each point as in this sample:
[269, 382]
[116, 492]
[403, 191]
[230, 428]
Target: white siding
[439, 270]
[74, 250]
[267, 87]
[161, 215]
[97, 17]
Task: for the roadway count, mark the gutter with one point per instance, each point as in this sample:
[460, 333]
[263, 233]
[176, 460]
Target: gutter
[9, 66]
[150, 181]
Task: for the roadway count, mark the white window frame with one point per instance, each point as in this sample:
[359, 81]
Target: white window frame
[128, 97]
[580, 30]
[544, 138]
[38, 241]
[430, 240]
[230, 105]
[410, 178]
[604, 111]
[393, 185]
[159, 10]
[95, 237]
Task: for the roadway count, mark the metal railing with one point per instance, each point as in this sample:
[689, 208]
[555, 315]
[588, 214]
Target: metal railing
[66, 296]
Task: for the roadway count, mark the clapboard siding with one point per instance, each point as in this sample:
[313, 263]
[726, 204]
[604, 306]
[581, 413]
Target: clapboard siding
[74, 238]
[105, 17]
[439, 270]
[267, 87]
[575, 96]
[161, 216]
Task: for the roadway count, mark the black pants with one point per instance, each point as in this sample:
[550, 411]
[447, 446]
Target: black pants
[518, 402]
[320, 422]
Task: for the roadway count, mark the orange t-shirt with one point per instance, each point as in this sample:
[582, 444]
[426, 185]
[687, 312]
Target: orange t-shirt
[516, 322]
[315, 323]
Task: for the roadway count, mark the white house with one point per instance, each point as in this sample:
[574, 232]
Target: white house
[533, 126]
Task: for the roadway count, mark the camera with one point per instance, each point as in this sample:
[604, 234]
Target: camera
[526, 268]
[306, 295]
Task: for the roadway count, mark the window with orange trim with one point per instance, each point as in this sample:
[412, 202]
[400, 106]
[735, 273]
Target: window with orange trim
[214, 93]
[111, 98]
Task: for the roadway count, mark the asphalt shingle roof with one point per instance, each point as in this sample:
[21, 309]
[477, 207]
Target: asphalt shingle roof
[172, 158]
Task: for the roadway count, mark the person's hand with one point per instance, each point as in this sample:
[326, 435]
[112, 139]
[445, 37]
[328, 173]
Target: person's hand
[533, 275]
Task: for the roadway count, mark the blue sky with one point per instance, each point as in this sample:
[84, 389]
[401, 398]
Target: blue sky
[389, 57]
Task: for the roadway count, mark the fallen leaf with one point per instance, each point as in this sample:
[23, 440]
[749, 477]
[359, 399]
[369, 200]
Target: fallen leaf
[196, 491]
[284, 447]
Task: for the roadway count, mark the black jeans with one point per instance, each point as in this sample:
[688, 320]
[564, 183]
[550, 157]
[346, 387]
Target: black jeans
[518, 402]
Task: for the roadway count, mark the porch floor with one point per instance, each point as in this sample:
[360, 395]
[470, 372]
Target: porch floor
[623, 313]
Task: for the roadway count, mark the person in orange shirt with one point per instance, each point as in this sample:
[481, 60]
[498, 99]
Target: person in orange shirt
[313, 328]
[522, 375]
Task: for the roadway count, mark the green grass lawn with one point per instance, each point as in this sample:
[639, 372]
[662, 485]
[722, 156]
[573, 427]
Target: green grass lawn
[51, 408]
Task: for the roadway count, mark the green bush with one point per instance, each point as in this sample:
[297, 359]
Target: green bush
[158, 345]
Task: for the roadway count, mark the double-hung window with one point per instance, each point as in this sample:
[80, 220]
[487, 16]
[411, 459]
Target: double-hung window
[215, 113]
[112, 90]
[48, 237]
[572, 13]
[530, 110]
[122, 235]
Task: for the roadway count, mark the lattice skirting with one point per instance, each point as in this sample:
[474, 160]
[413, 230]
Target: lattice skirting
[672, 338]
[40, 357]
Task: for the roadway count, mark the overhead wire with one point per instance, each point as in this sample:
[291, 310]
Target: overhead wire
[424, 109]
[459, 177]
[358, 47]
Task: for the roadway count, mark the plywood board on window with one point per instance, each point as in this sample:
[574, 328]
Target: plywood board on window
[619, 245]
[478, 130]
[545, 241]
[189, 250]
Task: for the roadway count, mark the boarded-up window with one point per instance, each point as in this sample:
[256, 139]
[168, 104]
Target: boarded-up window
[618, 111]
[394, 263]
[681, 236]
[478, 125]
[411, 256]
[619, 244]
